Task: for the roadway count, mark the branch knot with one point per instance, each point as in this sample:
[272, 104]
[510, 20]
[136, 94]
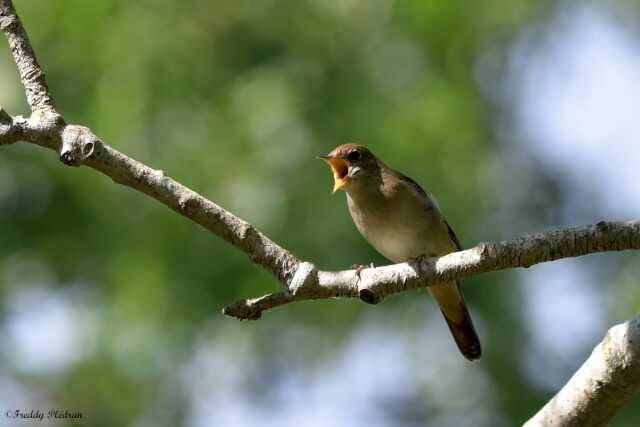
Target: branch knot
[78, 144]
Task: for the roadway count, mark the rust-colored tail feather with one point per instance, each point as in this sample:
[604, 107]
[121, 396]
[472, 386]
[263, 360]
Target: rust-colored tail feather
[465, 335]
[455, 312]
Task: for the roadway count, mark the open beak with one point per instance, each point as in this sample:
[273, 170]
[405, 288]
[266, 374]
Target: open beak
[340, 169]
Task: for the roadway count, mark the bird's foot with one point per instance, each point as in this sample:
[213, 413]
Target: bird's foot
[365, 294]
[359, 268]
[417, 260]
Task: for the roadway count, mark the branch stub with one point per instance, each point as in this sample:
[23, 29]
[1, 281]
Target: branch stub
[78, 144]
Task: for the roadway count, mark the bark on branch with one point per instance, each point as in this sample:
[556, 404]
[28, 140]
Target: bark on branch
[31, 73]
[616, 377]
[602, 385]
[375, 284]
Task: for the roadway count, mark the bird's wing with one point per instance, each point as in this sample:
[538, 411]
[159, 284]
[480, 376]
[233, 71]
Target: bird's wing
[430, 202]
[427, 199]
[453, 236]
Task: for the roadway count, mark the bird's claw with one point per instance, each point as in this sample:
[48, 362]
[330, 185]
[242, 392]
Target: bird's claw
[417, 260]
[359, 268]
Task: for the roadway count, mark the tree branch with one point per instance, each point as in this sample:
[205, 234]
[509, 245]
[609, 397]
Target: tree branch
[78, 145]
[375, 284]
[597, 390]
[31, 73]
[604, 383]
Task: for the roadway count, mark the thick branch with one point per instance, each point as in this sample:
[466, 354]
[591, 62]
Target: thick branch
[377, 283]
[31, 73]
[602, 385]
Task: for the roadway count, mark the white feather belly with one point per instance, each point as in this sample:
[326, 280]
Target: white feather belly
[397, 244]
[401, 231]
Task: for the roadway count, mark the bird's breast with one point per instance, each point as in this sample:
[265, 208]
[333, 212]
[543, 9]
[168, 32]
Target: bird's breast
[396, 232]
[395, 244]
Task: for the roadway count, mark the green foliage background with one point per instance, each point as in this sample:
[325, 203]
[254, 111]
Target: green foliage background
[235, 99]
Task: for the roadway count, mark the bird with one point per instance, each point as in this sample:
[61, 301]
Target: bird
[402, 222]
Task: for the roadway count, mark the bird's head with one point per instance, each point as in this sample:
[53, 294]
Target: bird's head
[351, 164]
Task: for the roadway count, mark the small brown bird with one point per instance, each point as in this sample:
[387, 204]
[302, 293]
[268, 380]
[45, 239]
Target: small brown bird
[402, 221]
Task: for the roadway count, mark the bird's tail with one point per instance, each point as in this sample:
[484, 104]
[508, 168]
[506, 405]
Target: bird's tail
[465, 336]
[454, 309]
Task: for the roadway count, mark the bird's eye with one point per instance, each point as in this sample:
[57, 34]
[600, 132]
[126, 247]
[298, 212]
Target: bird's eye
[354, 156]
